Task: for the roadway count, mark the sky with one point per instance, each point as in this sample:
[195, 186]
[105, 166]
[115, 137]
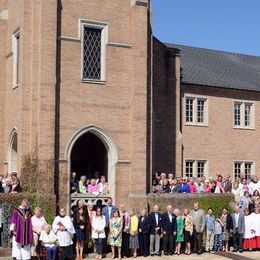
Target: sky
[228, 25]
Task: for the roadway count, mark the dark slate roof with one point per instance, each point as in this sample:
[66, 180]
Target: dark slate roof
[218, 68]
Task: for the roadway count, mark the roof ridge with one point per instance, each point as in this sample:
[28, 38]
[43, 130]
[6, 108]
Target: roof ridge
[175, 45]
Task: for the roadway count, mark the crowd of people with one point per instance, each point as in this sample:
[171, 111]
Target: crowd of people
[128, 235]
[97, 185]
[246, 192]
[10, 183]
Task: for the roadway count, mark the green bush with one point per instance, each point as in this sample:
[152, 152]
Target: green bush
[46, 202]
[181, 201]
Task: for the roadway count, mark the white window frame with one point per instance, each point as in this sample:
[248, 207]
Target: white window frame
[104, 41]
[195, 167]
[242, 114]
[243, 162]
[16, 57]
[195, 110]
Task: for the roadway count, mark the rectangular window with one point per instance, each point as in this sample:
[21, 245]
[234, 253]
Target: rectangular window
[196, 110]
[92, 53]
[189, 169]
[16, 57]
[189, 110]
[196, 168]
[200, 168]
[200, 109]
[246, 167]
[237, 114]
[248, 114]
[237, 169]
[243, 115]
[94, 38]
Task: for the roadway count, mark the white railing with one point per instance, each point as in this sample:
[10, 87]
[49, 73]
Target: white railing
[99, 199]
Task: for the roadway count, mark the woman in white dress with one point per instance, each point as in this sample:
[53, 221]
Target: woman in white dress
[98, 232]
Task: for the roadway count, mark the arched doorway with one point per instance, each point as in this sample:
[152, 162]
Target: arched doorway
[92, 149]
[12, 152]
[89, 156]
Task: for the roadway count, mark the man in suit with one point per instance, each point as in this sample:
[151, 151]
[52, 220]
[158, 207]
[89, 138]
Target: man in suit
[198, 227]
[238, 230]
[143, 230]
[227, 184]
[155, 225]
[169, 227]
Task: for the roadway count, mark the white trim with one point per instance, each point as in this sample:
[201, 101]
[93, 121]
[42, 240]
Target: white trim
[9, 150]
[111, 152]
[4, 15]
[195, 166]
[104, 41]
[15, 57]
[195, 98]
[242, 114]
[119, 45]
[252, 162]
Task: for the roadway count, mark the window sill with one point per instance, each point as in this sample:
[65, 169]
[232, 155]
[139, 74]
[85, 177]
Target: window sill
[15, 86]
[196, 124]
[243, 128]
[100, 82]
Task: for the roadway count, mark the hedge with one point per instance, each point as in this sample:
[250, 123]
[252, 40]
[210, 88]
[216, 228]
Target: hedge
[181, 201]
[46, 202]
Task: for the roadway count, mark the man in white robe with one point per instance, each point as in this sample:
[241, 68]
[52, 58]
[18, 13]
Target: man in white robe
[255, 218]
[64, 230]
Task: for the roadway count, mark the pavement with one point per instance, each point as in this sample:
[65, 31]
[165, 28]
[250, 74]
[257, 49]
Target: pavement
[236, 256]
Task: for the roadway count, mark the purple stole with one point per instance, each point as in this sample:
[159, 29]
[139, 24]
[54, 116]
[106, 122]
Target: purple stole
[22, 226]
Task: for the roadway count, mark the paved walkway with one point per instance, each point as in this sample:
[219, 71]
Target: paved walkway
[205, 256]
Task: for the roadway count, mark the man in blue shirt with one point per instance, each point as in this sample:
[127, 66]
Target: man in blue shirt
[210, 228]
[184, 186]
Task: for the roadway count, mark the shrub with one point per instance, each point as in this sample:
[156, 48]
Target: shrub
[46, 202]
[181, 201]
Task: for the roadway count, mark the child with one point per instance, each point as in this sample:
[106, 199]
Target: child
[218, 233]
[210, 226]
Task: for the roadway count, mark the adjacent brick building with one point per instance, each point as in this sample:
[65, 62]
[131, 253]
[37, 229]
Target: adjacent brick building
[86, 86]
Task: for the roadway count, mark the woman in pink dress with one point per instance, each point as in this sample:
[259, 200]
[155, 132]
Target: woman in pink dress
[38, 225]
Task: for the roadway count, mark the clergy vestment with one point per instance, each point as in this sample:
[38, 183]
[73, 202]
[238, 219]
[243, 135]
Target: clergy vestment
[256, 227]
[64, 237]
[21, 227]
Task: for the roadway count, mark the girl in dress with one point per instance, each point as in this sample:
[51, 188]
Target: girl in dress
[98, 232]
[133, 230]
[38, 225]
[226, 219]
[249, 241]
[115, 233]
[188, 230]
[80, 225]
[179, 235]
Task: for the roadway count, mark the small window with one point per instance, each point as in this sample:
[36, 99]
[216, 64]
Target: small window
[94, 40]
[243, 115]
[237, 169]
[196, 112]
[200, 110]
[246, 167]
[196, 168]
[200, 169]
[189, 169]
[189, 110]
[16, 57]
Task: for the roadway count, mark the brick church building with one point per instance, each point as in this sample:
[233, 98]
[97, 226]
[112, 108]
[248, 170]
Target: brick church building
[87, 86]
